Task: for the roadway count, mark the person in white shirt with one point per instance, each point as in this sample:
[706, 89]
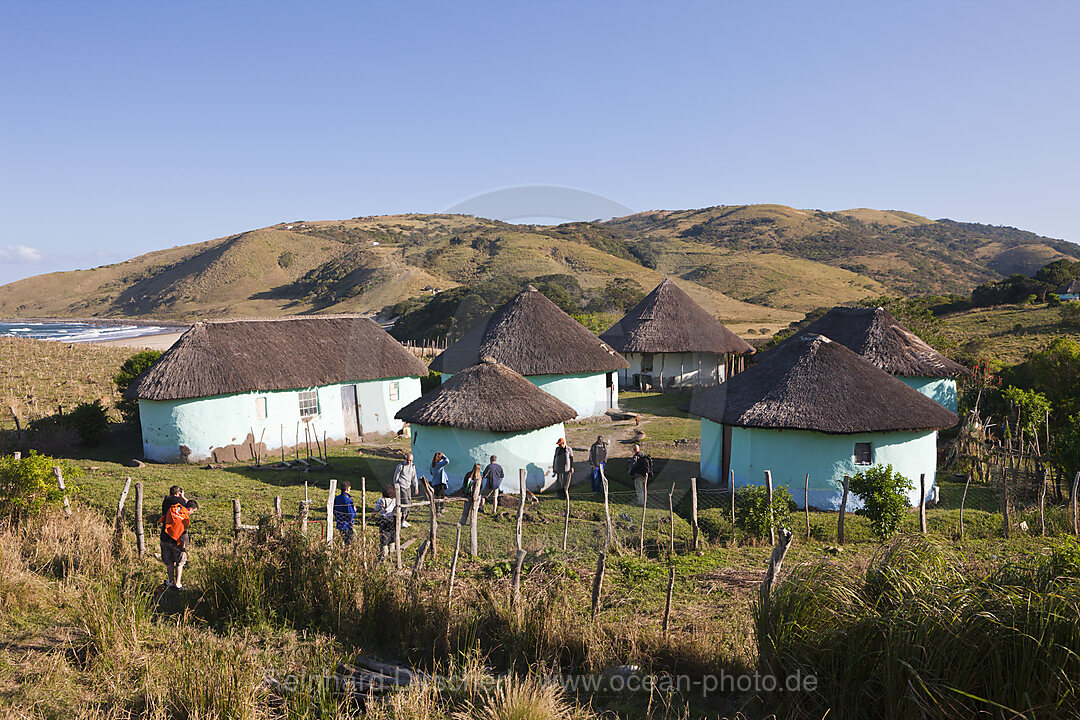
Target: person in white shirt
[383, 518]
[407, 484]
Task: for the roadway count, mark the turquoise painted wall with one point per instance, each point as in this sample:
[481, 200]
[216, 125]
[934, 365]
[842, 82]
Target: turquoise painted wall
[941, 390]
[790, 454]
[587, 393]
[203, 424]
[533, 450]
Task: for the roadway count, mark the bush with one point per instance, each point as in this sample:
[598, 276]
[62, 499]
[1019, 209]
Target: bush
[884, 496]
[87, 424]
[28, 486]
[752, 512]
[1070, 314]
[132, 368]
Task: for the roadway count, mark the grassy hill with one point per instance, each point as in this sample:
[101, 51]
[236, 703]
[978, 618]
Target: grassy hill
[1006, 334]
[756, 267]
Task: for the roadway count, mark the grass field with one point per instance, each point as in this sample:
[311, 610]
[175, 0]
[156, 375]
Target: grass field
[1005, 335]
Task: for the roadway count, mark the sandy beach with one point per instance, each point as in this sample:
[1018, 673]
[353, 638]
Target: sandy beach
[161, 341]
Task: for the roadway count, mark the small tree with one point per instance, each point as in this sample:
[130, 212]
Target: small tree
[752, 510]
[884, 496]
[132, 368]
[28, 486]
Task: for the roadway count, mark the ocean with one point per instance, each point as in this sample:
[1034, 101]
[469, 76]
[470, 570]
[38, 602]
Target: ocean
[76, 331]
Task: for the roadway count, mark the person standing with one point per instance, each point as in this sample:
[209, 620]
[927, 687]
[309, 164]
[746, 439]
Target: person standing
[175, 519]
[597, 461]
[562, 466]
[344, 512]
[493, 477]
[383, 517]
[640, 468]
[439, 478]
[407, 485]
[472, 477]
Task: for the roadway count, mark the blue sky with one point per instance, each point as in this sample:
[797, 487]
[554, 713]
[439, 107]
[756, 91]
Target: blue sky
[127, 127]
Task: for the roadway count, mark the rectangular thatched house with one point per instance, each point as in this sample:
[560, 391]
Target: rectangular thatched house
[230, 389]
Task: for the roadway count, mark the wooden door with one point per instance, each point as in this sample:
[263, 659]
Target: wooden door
[350, 410]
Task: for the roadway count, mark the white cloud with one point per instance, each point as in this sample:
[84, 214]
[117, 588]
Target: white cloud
[20, 255]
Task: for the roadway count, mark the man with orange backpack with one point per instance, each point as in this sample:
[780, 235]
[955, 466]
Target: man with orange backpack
[175, 518]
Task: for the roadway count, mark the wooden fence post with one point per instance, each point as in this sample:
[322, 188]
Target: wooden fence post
[644, 506]
[1042, 504]
[397, 527]
[806, 503]
[63, 489]
[433, 537]
[1005, 498]
[453, 568]
[236, 518]
[474, 510]
[768, 500]
[963, 499]
[363, 508]
[693, 511]
[330, 511]
[520, 559]
[731, 486]
[607, 511]
[140, 535]
[305, 508]
[671, 519]
[843, 510]
[1076, 506]
[598, 579]
[922, 503]
[667, 603]
[776, 560]
[118, 524]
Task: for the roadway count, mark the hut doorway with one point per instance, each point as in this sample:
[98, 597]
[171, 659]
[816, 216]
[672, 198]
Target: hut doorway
[351, 411]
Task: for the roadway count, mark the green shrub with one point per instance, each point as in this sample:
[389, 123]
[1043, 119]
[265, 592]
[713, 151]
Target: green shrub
[1070, 314]
[132, 368]
[884, 496]
[285, 259]
[28, 486]
[88, 422]
[752, 511]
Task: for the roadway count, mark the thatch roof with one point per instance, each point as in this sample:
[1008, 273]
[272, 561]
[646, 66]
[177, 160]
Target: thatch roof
[1072, 288]
[532, 336]
[488, 397]
[813, 383]
[668, 320]
[236, 356]
[877, 336]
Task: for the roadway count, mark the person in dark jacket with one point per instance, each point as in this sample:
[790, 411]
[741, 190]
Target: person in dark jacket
[344, 512]
[384, 519]
[176, 511]
[493, 477]
[597, 461]
[562, 466]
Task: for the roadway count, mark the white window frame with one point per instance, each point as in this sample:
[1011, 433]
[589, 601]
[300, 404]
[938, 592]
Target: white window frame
[394, 391]
[308, 402]
[260, 407]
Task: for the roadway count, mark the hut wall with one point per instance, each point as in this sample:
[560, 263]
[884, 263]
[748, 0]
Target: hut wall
[941, 390]
[533, 450]
[680, 370]
[225, 427]
[790, 454]
[587, 393]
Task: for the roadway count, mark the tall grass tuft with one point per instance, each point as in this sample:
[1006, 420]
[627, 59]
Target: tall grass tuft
[920, 639]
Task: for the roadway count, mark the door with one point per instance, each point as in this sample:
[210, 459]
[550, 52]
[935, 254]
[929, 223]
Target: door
[350, 411]
[725, 457]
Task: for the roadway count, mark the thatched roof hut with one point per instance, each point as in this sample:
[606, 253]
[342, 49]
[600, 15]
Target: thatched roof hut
[876, 335]
[488, 397]
[238, 356]
[668, 320]
[812, 383]
[1071, 288]
[532, 336]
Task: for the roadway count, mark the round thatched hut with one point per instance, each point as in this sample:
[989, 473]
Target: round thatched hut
[533, 337]
[231, 389]
[670, 341]
[486, 410]
[879, 337]
[813, 406]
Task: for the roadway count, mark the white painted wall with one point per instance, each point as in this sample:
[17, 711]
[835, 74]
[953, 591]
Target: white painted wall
[686, 370]
[179, 430]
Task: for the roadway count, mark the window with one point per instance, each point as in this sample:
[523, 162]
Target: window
[395, 391]
[863, 454]
[646, 362]
[309, 403]
[260, 408]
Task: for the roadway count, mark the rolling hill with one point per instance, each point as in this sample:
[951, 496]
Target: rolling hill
[755, 266]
